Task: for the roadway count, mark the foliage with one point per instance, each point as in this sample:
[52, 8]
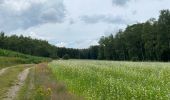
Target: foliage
[106, 80]
[141, 41]
[27, 45]
[66, 57]
[41, 85]
[10, 61]
[42, 48]
[21, 58]
[148, 41]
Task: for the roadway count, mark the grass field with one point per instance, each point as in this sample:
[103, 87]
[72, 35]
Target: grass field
[7, 56]
[10, 61]
[109, 80]
[41, 85]
[8, 79]
[11, 76]
[84, 79]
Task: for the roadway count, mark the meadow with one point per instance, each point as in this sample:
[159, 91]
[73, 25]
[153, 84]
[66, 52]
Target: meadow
[8, 79]
[83, 79]
[41, 85]
[12, 65]
[8, 58]
[114, 80]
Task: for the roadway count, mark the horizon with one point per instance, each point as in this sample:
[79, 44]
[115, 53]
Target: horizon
[77, 23]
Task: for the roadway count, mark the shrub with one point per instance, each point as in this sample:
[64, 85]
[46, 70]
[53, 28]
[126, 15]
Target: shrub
[135, 59]
[25, 58]
[66, 57]
[55, 57]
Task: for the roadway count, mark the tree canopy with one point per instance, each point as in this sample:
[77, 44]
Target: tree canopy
[148, 41]
[141, 41]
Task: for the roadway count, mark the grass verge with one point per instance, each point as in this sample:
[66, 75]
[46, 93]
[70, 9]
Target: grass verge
[41, 85]
[8, 79]
[10, 61]
[24, 58]
[108, 80]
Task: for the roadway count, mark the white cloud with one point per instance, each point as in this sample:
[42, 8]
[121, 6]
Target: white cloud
[120, 2]
[61, 44]
[104, 18]
[61, 22]
[23, 14]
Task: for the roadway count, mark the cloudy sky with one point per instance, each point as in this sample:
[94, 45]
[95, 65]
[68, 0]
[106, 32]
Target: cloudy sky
[74, 23]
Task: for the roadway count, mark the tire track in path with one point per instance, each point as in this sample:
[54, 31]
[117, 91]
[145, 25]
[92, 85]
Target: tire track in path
[3, 70]
[12, 92]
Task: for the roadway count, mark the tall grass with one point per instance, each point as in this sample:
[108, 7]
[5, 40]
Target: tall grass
[106, 80]
[8, 79]
[10, 61]
[41, 85]
[23, 58]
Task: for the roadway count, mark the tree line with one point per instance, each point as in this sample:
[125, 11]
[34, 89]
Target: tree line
[148, 41]
[37, 47]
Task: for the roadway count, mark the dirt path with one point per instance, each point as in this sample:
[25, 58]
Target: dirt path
[12, 93]
[3, 70]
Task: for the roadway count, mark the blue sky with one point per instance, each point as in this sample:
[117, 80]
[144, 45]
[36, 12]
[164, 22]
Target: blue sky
[74, 23]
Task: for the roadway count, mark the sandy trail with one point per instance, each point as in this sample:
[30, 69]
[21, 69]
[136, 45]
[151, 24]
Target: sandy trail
[12, 92]
[3, 70]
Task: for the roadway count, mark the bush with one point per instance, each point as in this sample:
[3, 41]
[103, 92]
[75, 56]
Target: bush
[56, 57]
[66, 57]
[25, 58]
[135, 59]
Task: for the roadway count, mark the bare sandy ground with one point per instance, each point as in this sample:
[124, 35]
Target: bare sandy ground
[12, 93]
[3, 70]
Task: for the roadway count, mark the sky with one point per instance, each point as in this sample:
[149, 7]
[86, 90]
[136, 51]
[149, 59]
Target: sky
[74, 23]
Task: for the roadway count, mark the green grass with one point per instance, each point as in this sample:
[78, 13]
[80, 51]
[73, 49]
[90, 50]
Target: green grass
[41, 85]
[10, 58]
[8, 79]
[108, 80]
[27, 91]
[11, 61]
[23, 57]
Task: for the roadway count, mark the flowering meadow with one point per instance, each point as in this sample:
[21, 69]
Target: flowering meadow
[114, 80]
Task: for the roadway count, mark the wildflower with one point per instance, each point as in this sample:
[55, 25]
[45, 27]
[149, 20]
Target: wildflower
[49, 91]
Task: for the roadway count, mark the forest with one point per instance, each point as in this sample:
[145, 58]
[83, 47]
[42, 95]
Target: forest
[148, 41]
